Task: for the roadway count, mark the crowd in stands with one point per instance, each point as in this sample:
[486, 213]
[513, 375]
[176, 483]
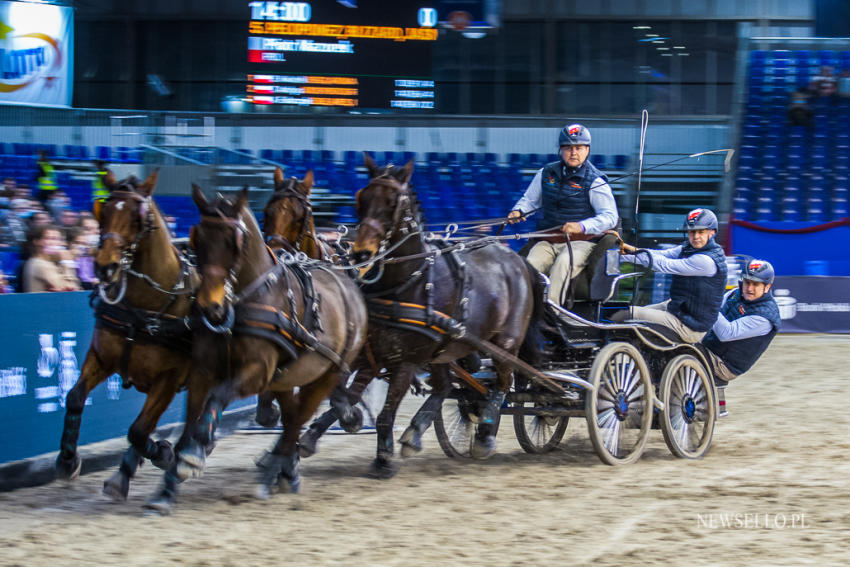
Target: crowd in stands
[824, 85]
[44, 245]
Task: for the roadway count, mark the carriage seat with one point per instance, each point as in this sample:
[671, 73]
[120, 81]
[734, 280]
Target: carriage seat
[603, 266]
[666, 332]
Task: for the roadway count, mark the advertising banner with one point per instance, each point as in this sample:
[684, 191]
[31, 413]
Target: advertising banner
[36, 53]
[813, 304]
[44, 338]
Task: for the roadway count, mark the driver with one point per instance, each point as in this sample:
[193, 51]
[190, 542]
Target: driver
[747, 322]
[574, 197]
[698, 266]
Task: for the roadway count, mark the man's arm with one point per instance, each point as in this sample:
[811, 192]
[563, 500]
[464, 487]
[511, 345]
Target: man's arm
[605, 207]
[644, 260]
[741, 328]
[533, 197]
[696, 265]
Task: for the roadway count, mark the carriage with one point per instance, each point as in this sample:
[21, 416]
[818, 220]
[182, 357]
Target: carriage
[626, 379]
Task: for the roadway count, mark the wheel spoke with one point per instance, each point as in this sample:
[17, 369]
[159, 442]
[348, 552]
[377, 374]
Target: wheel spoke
[637, 394]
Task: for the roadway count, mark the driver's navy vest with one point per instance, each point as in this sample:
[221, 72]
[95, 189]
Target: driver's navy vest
[740, 355]
[566, 193]
[695, 300]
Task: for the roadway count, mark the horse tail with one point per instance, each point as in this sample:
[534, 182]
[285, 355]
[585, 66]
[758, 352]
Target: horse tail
[529, 351]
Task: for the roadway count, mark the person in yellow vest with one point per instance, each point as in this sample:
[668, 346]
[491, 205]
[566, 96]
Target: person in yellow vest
[99, 192]
[46, 177]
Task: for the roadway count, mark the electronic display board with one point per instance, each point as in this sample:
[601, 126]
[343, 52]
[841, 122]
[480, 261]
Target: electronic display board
[369, 54]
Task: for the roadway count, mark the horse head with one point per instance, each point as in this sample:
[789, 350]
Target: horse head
[288, 216]
[384, 207]
[125, 218]
[218, 241]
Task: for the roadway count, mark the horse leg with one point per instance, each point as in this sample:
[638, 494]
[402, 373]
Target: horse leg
[411, 439]
[68, 462]
[484, 442]
[282, 463]
[163, 501]
[267, 414]
[191, 460]
[307, 444]
[383, 466]
[141, 445]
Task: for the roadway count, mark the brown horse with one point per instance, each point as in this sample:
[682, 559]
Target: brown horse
[142, 323]
[288, 225]
[271, 325]
[434, 308]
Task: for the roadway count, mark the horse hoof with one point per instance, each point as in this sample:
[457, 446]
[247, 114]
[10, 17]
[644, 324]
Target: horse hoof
[68, 469]
[291, 485]
[117, 487]
[383, 469]
[353, 421]
[166, 456]
[483, 448]
[191, 462]
[263, 492]
[267, 416]
[308, 444]
[411, 443]
[161, 505]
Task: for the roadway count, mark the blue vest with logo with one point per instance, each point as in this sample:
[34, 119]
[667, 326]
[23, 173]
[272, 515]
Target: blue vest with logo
[739, 356]
[695, 300]
[566, 193]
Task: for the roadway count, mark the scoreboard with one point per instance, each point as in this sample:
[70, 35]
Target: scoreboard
[368, 54]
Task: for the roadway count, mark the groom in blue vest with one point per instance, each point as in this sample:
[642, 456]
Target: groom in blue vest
[747, 322]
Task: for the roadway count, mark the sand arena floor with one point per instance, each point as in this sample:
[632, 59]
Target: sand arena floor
[772, 491]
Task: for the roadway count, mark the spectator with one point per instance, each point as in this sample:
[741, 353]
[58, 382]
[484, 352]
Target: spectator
[4, 284]
[83, 254]
[45, 176]
[51, 266]
[824, 85]
[13, 228]
[39, 218]
[68, 221]
[91, 228]
[57, 204]
[99, 192]
[799, 111]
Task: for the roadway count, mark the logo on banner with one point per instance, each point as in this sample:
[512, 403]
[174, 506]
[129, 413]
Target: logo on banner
[62, 362]
[27, 58]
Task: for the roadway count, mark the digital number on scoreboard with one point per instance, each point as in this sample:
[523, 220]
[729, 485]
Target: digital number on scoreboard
[370, 54]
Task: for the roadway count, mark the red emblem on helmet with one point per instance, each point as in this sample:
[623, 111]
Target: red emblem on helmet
[694, 214]
[755, 265]
[574, 130]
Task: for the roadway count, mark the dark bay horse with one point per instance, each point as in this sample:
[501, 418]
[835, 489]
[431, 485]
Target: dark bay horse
[288, 226]
[141, 326]
[271, 325]
[414, 305]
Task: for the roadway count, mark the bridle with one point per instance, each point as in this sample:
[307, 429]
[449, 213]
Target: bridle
[128, 250]
[219, 219]
[286, 193]
[403, 221]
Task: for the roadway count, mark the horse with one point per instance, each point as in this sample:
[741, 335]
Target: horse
[430, 307]
[271, 325]
[288, 226]
[142, 333]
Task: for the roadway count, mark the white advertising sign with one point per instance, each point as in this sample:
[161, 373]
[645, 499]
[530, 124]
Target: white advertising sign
[36, 53]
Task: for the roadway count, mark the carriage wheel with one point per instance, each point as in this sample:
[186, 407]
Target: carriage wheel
[687, 422]
[539, 433]
[455, 423]
[619, 408]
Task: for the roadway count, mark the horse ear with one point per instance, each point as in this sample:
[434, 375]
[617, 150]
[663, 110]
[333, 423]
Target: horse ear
[242, 200]
[405, 173]
[192, 237]
[357, 203]
[278, 176]
[109, 180]
[97, 209]
[148, 186]
[306, 183]
[199, 198]
[374, 170]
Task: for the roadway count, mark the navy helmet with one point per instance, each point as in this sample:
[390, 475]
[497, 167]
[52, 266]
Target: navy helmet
[701, 219]
[759, 271]
[574, 135]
